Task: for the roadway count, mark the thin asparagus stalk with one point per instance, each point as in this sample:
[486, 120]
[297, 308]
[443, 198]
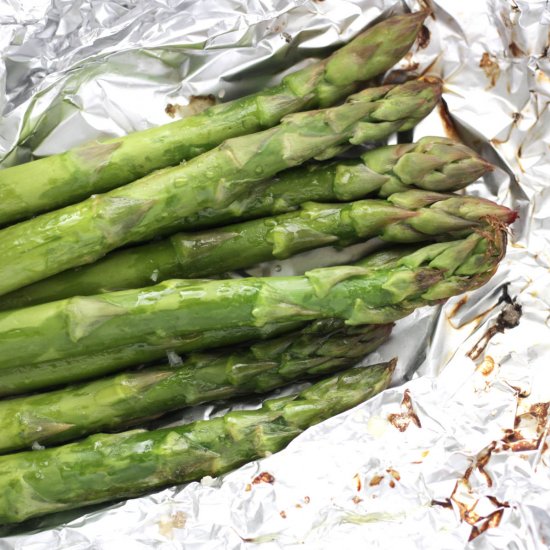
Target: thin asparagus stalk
[82, 233]
[59, 180]
[113, 466]
[358, 294]
[321, 348]
[410, 216]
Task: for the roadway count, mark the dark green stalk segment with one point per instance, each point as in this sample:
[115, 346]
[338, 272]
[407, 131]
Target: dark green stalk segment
[63, 179]
[82, 233]
[113, 466]
[411, 216]
[321, 348]
[49, 374]
[360, 295]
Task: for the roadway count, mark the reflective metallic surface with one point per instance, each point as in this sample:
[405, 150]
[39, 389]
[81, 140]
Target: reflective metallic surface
[455, 455]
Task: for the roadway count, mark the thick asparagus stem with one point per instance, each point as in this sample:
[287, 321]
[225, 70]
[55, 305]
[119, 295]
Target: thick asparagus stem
[63, 179]
[360, 295]
[322, 348]
[410, 216]
[106, 467]
[82, 233]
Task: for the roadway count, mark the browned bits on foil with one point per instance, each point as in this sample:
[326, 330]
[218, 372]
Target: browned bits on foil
[529, 429]
[287, 37]
[423, 37]
[392, 483]
[467, 501]
[508, 318]
[197, 104]
[307, 500]
[490, 67]
[263, 477]
[394, 473]
[443, 503]
[357, 479]
[463, 301]
[356, 499]
[376, 480]
[282, 513]
[515, 50]
[447, 121]
[487, 366]
[402, 420]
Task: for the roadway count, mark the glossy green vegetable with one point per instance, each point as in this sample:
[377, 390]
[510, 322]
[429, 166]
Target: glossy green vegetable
[59, 180]
[410, 216]
[359, 294]
[321, 348]
[82, 233]
[109, 467]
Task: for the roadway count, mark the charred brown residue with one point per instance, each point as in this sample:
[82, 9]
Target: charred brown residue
[508, 318]
[287, 38]
[392, 483]
[402, 420]
[530, 429]
[307, 500]
[463, 301]
[282, 513]
[443, 503]
[423, 37]
[357, 481]
[447, 121]
[197, 104]
[376, 480]
[490, 521]
[356, 499]
[263, 477]
[467, 501]
[490, 67]
[487, 366]
[394, 473]
[515, 50]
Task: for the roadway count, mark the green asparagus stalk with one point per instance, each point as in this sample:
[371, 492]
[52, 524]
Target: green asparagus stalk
[358, 294]
[50, 374]
[410, 216]
[322, 348]
[107, 467]
[63, 179]
[82, 233]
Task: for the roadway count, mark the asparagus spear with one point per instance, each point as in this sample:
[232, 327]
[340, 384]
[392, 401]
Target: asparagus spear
[410, 216]
[358, 294]
[83, 233]
[322, 348]
[113, 466]
[59, 180]
[48, 374]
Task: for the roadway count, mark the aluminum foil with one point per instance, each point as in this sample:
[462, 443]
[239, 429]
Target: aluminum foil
[454, 455]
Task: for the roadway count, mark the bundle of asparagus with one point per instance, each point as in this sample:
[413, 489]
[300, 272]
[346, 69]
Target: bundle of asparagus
[71, 316]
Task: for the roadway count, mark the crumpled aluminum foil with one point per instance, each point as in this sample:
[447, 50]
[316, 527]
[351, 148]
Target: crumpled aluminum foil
[454, 455]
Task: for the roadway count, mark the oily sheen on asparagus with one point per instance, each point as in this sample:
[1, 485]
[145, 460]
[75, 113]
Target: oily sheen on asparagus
[106, 467]
[82, 233]
[321, 348]
[357, 294]
[410, 216]
[63, 179]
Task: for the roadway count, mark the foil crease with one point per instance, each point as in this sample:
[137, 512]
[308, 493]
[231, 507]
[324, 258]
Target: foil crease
[455, 454]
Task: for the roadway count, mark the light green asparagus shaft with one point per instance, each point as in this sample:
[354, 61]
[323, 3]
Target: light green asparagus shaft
[63, 179]
[358, 294]
[82, 233]
[322, 348]
[108, 467]
[410, 216]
